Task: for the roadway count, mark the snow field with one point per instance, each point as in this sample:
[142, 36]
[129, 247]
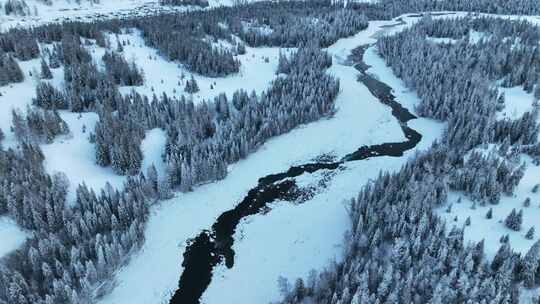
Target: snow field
[69, 10]
[11, 235]
[87, 11]
[491, 230]
[517, 103]
[164, 76]
[291, 239]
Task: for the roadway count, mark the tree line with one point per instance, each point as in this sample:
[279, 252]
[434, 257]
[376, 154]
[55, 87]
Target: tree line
[203, 139]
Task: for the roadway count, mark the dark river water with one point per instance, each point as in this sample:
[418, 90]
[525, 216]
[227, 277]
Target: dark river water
[214, 246]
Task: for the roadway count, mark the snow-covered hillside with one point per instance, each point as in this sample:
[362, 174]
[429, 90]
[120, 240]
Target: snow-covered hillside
[37, 12]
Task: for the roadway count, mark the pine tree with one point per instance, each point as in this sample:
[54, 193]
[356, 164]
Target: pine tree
[191, 86]
[45, 71]
[514, 220]
[530, 233]
[2, 137]
[530, 263]
[537, 91]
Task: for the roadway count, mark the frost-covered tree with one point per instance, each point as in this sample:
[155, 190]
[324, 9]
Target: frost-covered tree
[191, 86]
[45, 70]
[530, 233]
[514, 220]
[10, 72]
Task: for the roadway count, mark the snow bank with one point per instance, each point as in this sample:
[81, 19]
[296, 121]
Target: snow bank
[443, 40]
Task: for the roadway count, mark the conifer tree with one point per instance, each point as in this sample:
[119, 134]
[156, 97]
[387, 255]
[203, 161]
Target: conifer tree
[45, 71]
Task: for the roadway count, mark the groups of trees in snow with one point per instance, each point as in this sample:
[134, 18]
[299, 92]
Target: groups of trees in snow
[398, 249]
[10, 72]
[203, 139]
[38, 125]
[387, 9]
[72, 250]
[75, 248]
[201, 3]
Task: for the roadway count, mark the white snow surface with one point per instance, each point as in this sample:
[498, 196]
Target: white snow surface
[153, 146]
[11, 235]
[65, 10]
[491, 230]
[86, 11]
[517, 102]
[18, 96]
[302, 237]
[74, 154]
[165, 76]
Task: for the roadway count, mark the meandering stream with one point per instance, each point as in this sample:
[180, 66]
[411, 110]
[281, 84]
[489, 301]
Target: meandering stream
[214, 246]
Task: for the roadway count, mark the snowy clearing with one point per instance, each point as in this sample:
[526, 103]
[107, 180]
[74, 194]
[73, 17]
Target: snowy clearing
[257, 70]
[11, 235]
[491, 230]
[517, 102]
[74, 154]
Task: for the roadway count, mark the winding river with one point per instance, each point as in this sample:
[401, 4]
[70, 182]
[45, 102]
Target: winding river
[214, 246]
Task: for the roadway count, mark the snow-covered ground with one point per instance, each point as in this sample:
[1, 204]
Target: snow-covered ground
[298, 238]
[257, 70]
[39, 13]
[11, 235]
[74, 154]
[153, 146]
[300, 234]
[69, 10]
[474, 37]
[517, 102]
[19, 95]
[491, 230]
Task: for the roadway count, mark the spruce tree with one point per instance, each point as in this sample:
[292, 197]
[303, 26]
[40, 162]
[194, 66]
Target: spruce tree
[45, 71]
[530, 233]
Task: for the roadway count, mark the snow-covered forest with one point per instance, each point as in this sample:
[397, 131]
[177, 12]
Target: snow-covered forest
[314, 151]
